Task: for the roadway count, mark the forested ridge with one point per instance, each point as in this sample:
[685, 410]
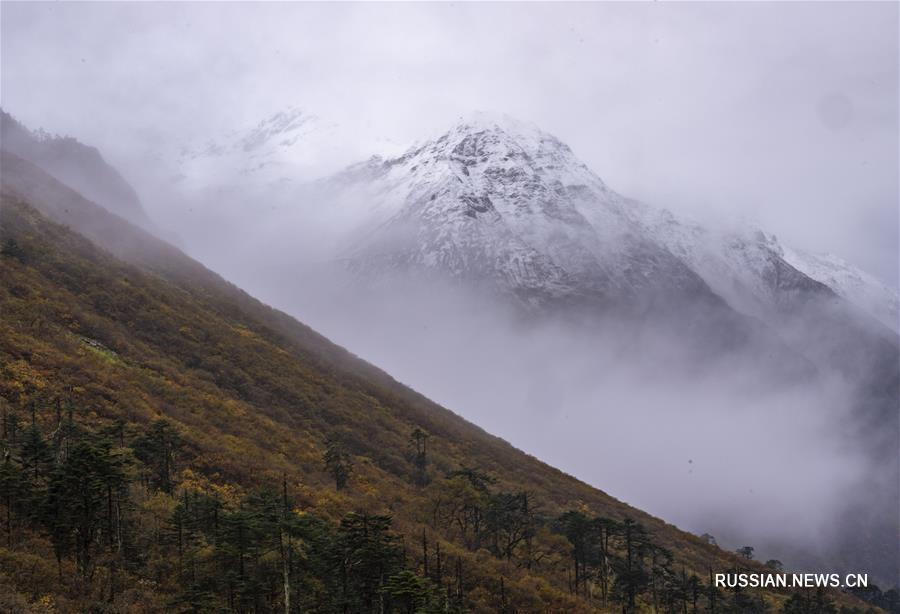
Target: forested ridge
[171, 445]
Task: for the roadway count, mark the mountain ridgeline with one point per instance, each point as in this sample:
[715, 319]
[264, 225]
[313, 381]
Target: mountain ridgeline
[75, 164]
[172, 444]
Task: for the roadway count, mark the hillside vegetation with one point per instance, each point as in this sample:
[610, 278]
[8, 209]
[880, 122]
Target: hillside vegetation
[172, 445]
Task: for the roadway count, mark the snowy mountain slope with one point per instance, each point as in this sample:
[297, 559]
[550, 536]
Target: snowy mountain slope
[745, 266]
[759, 275]
[857, 286]
[494, 198]
[497, 199]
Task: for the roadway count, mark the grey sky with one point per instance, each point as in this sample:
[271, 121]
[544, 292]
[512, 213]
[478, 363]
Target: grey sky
[784, 113]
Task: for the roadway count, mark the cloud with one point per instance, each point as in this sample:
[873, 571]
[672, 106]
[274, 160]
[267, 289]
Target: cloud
[724, 449]
[783, 113]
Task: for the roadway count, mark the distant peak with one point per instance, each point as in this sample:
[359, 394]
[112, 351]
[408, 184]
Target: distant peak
[287, 114]
[503, 126]
[492, 132]
[491, 120]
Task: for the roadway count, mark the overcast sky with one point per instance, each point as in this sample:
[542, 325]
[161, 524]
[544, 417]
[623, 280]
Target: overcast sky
[784, 113]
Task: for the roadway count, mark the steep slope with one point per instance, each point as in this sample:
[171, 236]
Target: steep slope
[759, 275]
[255, 396]
[851, 283]
[75, 164]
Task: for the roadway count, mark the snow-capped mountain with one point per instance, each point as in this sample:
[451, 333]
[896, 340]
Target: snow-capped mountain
[497, 199]
[277, 150]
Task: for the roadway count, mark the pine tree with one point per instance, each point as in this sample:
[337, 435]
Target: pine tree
[158, 449]
[419, 442]
[367, 554]
[632, 577]
[579, 530]
[13, 492]
[37, 457]
[338, 463]
[77, 507]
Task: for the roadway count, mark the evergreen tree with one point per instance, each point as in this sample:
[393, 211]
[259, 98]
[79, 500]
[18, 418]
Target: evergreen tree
[37, 457]
[632, 577]
[158, 449]
[407, 592]
[14, 492]
[367, 554]
[579, 530]
[338, 463]
[419, 443]
[77, 505]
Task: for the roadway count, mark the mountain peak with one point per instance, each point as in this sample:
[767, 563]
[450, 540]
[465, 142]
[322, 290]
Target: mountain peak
[482, 132]
[489, 121]
[482, 149]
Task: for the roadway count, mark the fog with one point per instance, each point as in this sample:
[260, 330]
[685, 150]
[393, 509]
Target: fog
[783, 114]
[725, 447]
